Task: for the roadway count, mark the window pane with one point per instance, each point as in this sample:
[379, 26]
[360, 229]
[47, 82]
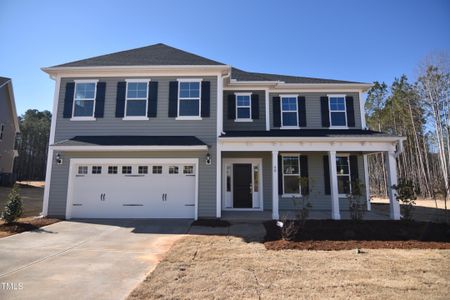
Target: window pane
[157, 169]
[84, 108]
[96, 169]
[189, 89]
[188, 170]
[173, 170]
[290, 119]
[255, 178]
[337, 103]
[143, 170]
[112, 170]
[82, 170]
[338, 119]
[137, 90]
[189, 108]
[289, 104]
[136, 107]
[85, 91]
[342, 165]
[290, 165]
[291, 185]
[344, 184]
[243, 101]
[126, 169]
[243, 113]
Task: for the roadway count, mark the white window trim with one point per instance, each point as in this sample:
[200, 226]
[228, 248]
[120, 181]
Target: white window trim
[286, 195]
[345, 110]
[136, 118]
[342, 175]
[199, 117]
[281, 111]
[84, 118]
[237, 119]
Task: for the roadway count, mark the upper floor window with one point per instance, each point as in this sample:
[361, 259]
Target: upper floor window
[243, 107]
[289, 111]
[189, 98]
[338, 112]
[291, 175]
[343, 175]
[2, 128]
[136, 104]
[84, 99]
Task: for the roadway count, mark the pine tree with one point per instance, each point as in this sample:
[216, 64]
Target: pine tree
[14, 208]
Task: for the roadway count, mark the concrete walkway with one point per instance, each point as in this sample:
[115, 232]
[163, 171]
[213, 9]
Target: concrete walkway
[84, 260]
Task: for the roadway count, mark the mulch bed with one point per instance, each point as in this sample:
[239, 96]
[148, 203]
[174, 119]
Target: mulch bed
[24, 224]
[346, 235]
[211, 223]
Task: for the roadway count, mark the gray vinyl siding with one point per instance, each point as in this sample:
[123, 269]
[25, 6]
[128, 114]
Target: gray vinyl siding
[258, 124]
[9, 132]
[207, 177]
[313, 112]
[204, 129]
[267, 173]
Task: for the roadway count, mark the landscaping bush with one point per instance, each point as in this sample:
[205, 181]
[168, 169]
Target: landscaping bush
[357, 204]
[14, 208]
[406, 195]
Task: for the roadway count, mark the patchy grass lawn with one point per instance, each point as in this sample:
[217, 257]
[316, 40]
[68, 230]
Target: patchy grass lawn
[227, 267]
[24, 224]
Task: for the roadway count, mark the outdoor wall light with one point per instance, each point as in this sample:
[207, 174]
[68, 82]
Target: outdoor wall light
[208, 158]
[59, 159]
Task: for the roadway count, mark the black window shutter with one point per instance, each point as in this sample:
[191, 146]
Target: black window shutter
[100, 100]
[255, 106]
[231, 105]
[280, 175]
[173, 99]
[152, 99]
[301, 111]
[350, 111]
[354, 168]
[304, 173]
[326, 175]
[68, 100]
[325, 112]
[206, 95]
[276, 112]
[120, 100]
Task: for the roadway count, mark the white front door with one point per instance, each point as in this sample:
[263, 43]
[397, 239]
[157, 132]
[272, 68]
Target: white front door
[236, 187]
[123, 188]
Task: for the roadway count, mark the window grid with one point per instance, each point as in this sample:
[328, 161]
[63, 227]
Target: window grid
[96, 169]
[188, 170]
[84, 99]
[126, 169]
[343, 175]
[82, 170]
[338, 111]
[243, 107]
[112, 169]
[189, 94]
[137, 93]
[289, 111]
[142, 170]
[291, 169]
[173, 170]
[157, 169]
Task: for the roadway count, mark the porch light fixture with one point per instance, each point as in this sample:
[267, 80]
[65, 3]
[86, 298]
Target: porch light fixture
[59, 159]
[208, 158]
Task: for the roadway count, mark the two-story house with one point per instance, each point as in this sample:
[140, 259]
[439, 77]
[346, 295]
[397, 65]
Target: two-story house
[157, 132]
[9, 128]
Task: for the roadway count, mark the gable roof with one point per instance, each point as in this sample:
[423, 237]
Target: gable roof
[7, 83]
[241, 75]
[4, 80]
[153, 55]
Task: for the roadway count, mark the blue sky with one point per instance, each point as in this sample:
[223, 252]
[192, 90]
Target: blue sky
[353, 40]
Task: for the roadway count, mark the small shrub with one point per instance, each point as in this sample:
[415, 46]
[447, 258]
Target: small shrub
[290, 228]
[14, 208]
[357, 205]
[406, 195]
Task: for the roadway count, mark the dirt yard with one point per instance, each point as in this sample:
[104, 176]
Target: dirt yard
[227, 267]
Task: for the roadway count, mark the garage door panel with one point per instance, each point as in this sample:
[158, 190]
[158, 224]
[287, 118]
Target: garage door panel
[133, 195]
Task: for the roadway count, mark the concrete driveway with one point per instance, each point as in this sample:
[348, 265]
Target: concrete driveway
[84, 259]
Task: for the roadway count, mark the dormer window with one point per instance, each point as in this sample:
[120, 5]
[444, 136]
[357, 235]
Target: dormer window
[136, 102]
[338, 111]
[243, 107]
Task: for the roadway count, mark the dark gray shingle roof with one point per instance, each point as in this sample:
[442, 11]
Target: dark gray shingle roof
[305, 133]
[3, 80]
[153, 55]
[241, 75]
[115, 140]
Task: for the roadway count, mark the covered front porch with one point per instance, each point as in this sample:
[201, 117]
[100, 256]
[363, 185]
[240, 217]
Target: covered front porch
[259, 178]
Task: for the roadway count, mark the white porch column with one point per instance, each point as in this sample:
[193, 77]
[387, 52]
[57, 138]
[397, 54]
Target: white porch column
[391, 167]
[335, 213]
[218, 181]
[366, 182]
[275, 196]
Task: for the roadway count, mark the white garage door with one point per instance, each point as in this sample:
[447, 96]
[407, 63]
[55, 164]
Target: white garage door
[156, 189]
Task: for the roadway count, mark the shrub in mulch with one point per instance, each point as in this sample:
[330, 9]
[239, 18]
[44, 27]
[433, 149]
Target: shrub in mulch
[347, 234]
[211, 223]
[25, 224]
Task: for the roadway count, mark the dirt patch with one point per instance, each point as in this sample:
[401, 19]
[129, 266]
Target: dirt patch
[347, 235]
[228, 267]
[211, 223]
[24, 224]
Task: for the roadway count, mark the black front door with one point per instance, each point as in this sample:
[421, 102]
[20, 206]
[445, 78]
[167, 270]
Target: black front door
[242, 189]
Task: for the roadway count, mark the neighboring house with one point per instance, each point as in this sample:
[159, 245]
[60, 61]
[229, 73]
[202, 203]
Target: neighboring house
[9, 128]
[157, 132]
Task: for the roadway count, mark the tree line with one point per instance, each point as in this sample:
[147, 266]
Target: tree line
[418, 110]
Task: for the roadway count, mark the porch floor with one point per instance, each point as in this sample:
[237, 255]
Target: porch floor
[256, 216]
